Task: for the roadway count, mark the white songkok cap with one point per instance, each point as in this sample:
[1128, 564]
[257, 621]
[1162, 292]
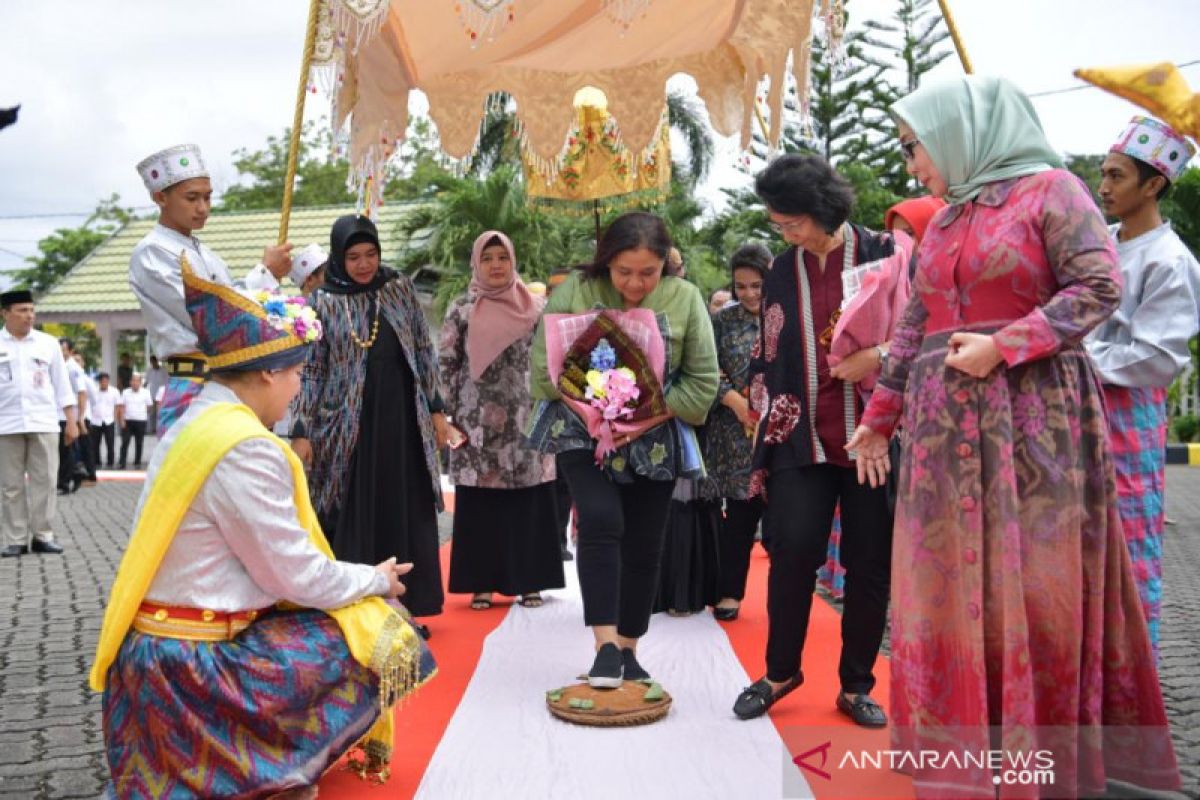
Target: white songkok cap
[305, 263]
[168, 167]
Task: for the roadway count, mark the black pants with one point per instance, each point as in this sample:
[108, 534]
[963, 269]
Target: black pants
[562, 501]
[105, 434]
[800, 507]
[86, 453]
[67, 458]
[621, 532]
[134, 429]
[737, 540]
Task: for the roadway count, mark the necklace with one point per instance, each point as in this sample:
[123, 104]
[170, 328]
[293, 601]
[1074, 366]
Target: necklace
[369, 343]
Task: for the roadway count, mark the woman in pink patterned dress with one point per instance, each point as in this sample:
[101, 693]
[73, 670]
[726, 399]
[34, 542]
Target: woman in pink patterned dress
[1014, 603]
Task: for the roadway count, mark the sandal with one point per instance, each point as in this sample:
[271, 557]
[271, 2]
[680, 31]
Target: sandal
[481, 602]
[531, 600]
[862, 709]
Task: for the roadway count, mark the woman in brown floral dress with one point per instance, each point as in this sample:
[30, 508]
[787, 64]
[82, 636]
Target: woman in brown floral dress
[505, 518]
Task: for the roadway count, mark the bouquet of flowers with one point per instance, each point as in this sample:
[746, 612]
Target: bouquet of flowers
[608, 365]
[291, 314]
[873, 298]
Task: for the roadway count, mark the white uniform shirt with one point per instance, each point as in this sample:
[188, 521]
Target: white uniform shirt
[1145, 342]
[33, 383]
[137, 404]
[156, 379]
[156, 280]
[103, 407]
[78, 379]
[240, 545]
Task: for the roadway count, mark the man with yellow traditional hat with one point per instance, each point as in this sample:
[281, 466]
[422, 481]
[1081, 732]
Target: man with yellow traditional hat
[178, 182]
[237, 657]
[1142, 348]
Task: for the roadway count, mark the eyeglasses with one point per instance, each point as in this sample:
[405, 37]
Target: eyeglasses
[785, 227]
[909, 149]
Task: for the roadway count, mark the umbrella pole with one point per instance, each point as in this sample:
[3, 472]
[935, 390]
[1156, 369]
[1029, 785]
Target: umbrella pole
[956, 37]
[310, 42]
[596, 217]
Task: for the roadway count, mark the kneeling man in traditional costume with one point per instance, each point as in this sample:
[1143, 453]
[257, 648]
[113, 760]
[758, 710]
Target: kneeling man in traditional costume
[237, 657]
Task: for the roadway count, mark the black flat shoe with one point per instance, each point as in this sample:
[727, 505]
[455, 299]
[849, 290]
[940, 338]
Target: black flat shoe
[608, 669]
[725, 614]
[633, 671]
[39, 546]
[862, 709]
[422, 630]
[12, 551]
[756, 698]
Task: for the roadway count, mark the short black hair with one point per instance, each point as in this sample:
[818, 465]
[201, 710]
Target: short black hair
[796, 184]
[1146, 172]
[102, 376]
[751, 255]
[632, 231]
[68, 344]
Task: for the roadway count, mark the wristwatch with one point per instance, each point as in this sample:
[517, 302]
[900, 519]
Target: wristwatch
[883, 355]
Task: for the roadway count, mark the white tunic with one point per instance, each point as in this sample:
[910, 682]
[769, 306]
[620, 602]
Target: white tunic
[240, 545]
[157, 282]
[34, 385]
[1145, 342]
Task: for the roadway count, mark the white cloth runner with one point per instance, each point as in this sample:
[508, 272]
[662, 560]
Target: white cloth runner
[502, 742]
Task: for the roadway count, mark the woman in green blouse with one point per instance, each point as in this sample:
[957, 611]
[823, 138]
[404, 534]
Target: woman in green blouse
[622, 504]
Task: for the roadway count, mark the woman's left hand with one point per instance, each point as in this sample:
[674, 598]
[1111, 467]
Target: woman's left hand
[973, 353]
[642, 427]
[854, 368]
[870, 450]
[441, 429]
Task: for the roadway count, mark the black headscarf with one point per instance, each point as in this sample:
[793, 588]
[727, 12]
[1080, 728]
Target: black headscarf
[348, 231]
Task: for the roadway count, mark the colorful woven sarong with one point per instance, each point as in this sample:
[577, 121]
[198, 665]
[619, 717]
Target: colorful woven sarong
[176, 398]
[1137, 426]
[271, 709]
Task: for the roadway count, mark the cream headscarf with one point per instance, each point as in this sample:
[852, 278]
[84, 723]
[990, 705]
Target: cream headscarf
[977, 130]
[501, 315]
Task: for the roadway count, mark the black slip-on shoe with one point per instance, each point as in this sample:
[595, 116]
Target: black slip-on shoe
[632, 669]
[12, 551]
[862, 709]
[39, 546]
[756, 698]
[722, 614]
[607, 670]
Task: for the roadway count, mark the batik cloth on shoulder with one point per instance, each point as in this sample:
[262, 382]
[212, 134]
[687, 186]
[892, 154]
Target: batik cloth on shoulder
[270, 708]
[178, 395]
[1137, 438]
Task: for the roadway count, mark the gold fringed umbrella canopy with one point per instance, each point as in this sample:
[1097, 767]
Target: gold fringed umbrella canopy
[596, 170]
[541, 52]
[1159, 88]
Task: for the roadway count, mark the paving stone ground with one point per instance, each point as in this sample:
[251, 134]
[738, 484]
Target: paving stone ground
[51, 608]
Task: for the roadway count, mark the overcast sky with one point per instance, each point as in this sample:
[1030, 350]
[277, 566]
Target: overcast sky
[103, 83]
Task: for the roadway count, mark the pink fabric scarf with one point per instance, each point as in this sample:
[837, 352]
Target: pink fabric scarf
[501, 315]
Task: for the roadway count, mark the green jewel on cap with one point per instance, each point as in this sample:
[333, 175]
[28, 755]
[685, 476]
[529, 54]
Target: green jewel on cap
[183, 162]
[1143, 139]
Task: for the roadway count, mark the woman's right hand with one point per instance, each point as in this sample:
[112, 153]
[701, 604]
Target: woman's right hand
[303, 448]
[392, 571]
[740, 407]
[871, 456]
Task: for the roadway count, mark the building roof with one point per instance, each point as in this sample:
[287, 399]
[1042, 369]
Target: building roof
[100, 282]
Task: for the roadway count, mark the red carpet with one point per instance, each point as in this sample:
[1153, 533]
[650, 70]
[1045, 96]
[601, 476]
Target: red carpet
[804, 719]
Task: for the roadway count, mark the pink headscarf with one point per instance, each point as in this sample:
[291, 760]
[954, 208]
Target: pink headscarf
[500, 316]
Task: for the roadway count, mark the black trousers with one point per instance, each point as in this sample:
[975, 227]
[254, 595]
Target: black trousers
[134, 429]
[562, 499]
[621, 532]
[107, 435]
[737, 540]
[799, 514]
[67, 458]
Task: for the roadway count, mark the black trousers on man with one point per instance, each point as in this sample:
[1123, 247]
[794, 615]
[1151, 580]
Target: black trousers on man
[134, 429]
[622, 527]
[105, 434]
[67, 459]
[799, 514]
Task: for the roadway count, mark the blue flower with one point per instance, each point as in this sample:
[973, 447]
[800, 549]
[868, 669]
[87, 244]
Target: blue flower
[275, 307]
[603, 356]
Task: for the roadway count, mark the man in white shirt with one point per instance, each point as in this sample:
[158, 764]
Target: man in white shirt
[69, 475]
[132, 414]
[178, 182]
[102, 418]
[33, 386]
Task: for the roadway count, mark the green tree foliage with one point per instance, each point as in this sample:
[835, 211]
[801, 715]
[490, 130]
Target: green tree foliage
[1182, 207]
[320, 179]
[66, 247]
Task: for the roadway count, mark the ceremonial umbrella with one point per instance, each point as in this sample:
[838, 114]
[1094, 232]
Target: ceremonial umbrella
[541, 52]
[596, 171]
